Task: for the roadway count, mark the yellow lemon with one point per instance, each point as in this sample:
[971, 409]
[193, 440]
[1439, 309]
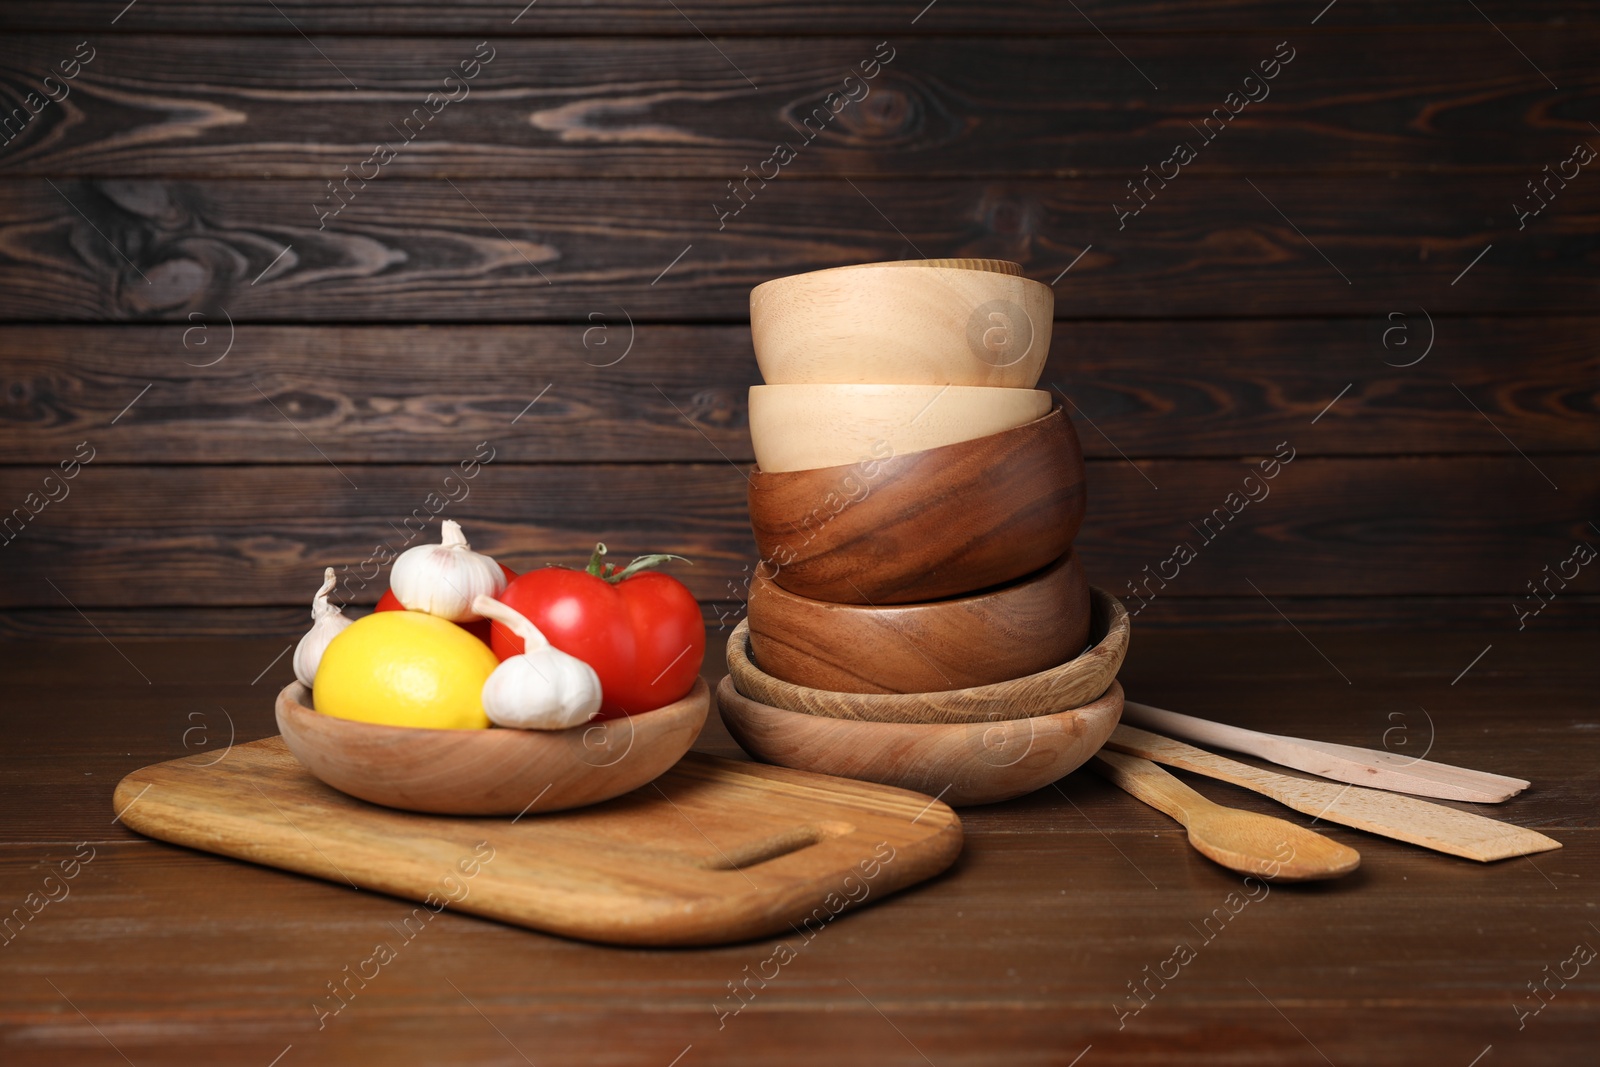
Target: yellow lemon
[404, 668]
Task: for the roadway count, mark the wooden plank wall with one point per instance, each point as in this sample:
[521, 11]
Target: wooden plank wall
[271, 374]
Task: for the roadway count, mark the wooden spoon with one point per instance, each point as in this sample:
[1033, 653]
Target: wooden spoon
[1243, 841]
[1417, 822]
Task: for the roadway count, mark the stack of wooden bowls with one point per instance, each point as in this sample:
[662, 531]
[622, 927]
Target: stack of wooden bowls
[918, 616]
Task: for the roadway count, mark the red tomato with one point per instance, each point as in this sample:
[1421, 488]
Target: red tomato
[641, 630]
[479, 629]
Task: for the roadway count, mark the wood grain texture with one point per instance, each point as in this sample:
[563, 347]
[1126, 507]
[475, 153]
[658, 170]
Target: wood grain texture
[1070, 684]
[811, 427]
[191, 106]
[1569, 615]
[644, 869]
[1027, 626]
[907, 18]
[559, 249]
[1342, 763]
[898, 528]
[490, 771]
[1242, 841]
[1019, 952]
[882, 323]
[1417, 822]
[669, 392]
[982, 762]
[1398, 672]
[141, 537]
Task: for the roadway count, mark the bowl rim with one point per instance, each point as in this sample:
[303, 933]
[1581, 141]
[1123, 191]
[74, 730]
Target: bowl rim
[937, 388]
[993, 265]
[698, 694]
[1114, 690]
[1031, 424]
[805, 277]
[1110, 628]
[988, 593]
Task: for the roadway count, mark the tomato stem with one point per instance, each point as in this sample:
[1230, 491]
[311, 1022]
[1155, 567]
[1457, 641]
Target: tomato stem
[611, 573]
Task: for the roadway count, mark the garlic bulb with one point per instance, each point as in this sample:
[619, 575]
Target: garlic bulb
[444, 579]
[327, 622]
[542, 689]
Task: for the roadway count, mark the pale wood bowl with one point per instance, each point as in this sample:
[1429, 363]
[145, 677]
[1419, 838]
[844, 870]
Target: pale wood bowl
[1026, 626]
[802, 427]
[961, 764]
[494, 771]
[1069, 685]
[942, 522]
[883, 323]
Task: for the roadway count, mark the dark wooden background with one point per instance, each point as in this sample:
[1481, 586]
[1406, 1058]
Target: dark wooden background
[562, 214]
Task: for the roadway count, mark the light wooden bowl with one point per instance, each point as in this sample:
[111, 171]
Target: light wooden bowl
[972, 763]
[802, 427]
[494, 771]
[884, 323]
[938, 523]
[1018, 629]
[1070, 685]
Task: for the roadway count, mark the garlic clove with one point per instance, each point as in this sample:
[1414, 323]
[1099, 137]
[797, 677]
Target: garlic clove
[444, 579]
[327, 622]
[543, 688]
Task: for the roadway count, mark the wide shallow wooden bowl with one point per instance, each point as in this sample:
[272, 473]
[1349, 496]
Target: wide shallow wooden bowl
[801, 427]
[1068, 685]
[943, 522]
[1026, 626]
[962, 764]
[882, 322]
[490, 772]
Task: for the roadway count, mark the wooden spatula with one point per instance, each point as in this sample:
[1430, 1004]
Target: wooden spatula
[1242, 841]
[1342, 763]
[1416, 822]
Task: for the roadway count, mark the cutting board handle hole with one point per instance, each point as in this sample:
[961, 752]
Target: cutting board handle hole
[777, 845]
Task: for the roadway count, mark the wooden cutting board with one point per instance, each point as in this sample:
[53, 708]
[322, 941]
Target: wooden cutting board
[713, 851]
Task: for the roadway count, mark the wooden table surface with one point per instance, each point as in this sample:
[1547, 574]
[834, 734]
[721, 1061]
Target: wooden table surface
[1024, 953]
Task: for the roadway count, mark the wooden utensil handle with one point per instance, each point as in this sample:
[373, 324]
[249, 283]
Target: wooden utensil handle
[1177, 754]
[1203, 731]
[1149, 783]
[1344, 763]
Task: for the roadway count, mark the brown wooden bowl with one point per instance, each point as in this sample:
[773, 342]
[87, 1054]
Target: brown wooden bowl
[494, 771]
[962, 764]
[1026, 626]
[1069, 685]
[924, 525]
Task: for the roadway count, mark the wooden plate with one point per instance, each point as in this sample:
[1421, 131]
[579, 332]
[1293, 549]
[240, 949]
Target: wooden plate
[968, 763]
[1073, 684]
[490, 772]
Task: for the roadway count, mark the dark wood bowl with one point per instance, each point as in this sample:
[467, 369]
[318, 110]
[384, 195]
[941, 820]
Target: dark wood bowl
[1021, 628]
[495, 771]
[962, 764]
[1069, 685]
[925, 525]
